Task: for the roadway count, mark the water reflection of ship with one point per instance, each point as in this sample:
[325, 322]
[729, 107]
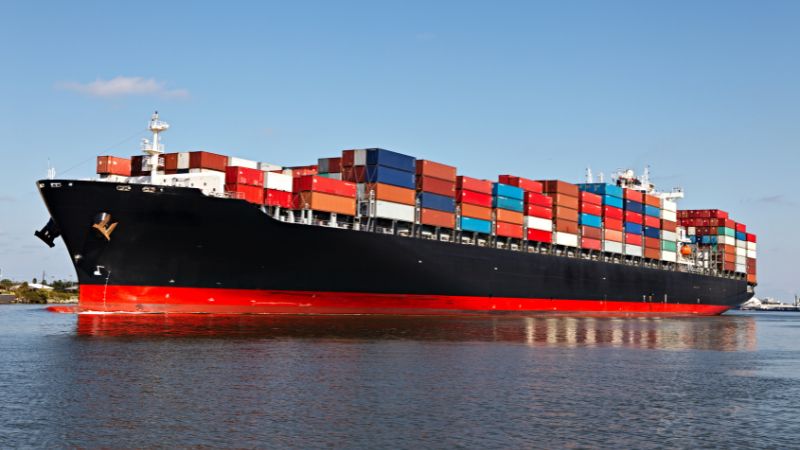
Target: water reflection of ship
[726, 333]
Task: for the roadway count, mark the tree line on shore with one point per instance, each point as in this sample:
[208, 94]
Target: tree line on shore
[62, 291]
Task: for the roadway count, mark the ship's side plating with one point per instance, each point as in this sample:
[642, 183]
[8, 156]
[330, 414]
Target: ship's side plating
[177, 250]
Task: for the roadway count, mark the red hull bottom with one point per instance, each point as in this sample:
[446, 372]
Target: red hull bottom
[146, 299]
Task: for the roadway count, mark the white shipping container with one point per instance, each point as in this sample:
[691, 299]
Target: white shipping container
[741, 251]
[669, 256]
[741, 259]
[669, 215]
[691, 231]
[751, 254]
[207, 171]
[669, 205]
[267, 167]
[741, 244]
[612, 247]
[633, 250]
[360, 157]
[741, 268]
[278, 181]
[394, 211]
[538, 223]
[183, 160]
[727, 240]
[566, 239]
[751, 246]
[669, 236]
[241, 162]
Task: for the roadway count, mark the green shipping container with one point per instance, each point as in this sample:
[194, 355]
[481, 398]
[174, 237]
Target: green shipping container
[669, 246]
[724, 231]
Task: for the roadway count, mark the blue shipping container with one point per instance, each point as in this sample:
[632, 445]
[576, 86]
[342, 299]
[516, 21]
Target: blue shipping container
[693, 239]
[707, 240]
[616, 202]
[652, 232]
[511, 204]
[633, 228]
[387, 175]
[741, 236]
[602, 189]
[437, 202]
[504, 190]
[590, 220]
[633, 206]
[476, 225]
[388, 158]
[652, 211]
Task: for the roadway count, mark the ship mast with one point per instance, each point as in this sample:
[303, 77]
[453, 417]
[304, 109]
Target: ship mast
[155, 148]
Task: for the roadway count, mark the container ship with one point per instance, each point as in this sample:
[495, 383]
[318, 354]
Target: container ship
[372, 231]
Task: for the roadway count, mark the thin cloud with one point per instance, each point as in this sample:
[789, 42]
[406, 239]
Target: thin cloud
[123, 86]
[777, 199]
[6, 199]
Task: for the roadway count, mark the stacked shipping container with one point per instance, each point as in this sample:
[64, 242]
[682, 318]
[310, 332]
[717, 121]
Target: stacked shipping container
[565, 211]
[507, 206]
[732, 248]
[436, 192]
[612, 214]
[324, 194]
[474, 203]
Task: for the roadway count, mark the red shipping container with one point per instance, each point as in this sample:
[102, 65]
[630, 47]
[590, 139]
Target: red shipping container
[667, 225]
[633, 239]
[592, 198]
[113, 165]
[539, 211]
[170, 162]
[273, 197]
[613, 235]
[252, 194]
[633, 217]
[740, 227]
[540, 236]
[508, 230]
[612, 212]
[613, 224]
[436, 186]
[652, 222]
[244, 175]
[207, 160]
[354, 174]
[652, 242]
[474, 198]
[474, 184]
[591, 232]
[566, 226]
[325, 185]
[437, 218]
[301, 171]
[436, 170]
[522, 183]
[630, 194]
[591, 208]
[751, 237]
[591, 244]
[348, 158]
[535, 198]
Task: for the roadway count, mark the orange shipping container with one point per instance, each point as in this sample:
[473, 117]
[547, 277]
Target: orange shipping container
[564, 213]
[504, 215]
[561, 187]
[667, 225]
[113, 165]
[652, 253]
[652, 242]
[436, 170]
[319, 201]
[476, 212]
[567, 226]
[652, 200]
[437, 218]
[614, 235]
[564, 200]
[393, 194]
[511, 230]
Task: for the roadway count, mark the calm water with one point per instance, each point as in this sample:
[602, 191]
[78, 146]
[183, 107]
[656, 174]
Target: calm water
[356, 382]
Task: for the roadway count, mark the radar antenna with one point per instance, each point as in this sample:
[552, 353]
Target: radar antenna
[589, 177]
[155, 148]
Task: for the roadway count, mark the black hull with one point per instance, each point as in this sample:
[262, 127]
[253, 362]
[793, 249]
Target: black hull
[178, 238]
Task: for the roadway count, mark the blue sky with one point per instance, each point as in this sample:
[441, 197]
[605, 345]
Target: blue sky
[706, 93]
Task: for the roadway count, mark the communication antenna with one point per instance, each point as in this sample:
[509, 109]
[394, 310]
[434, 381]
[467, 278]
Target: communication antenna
[601, 178]
[589, 177]
[51, 171]
[154, 148]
